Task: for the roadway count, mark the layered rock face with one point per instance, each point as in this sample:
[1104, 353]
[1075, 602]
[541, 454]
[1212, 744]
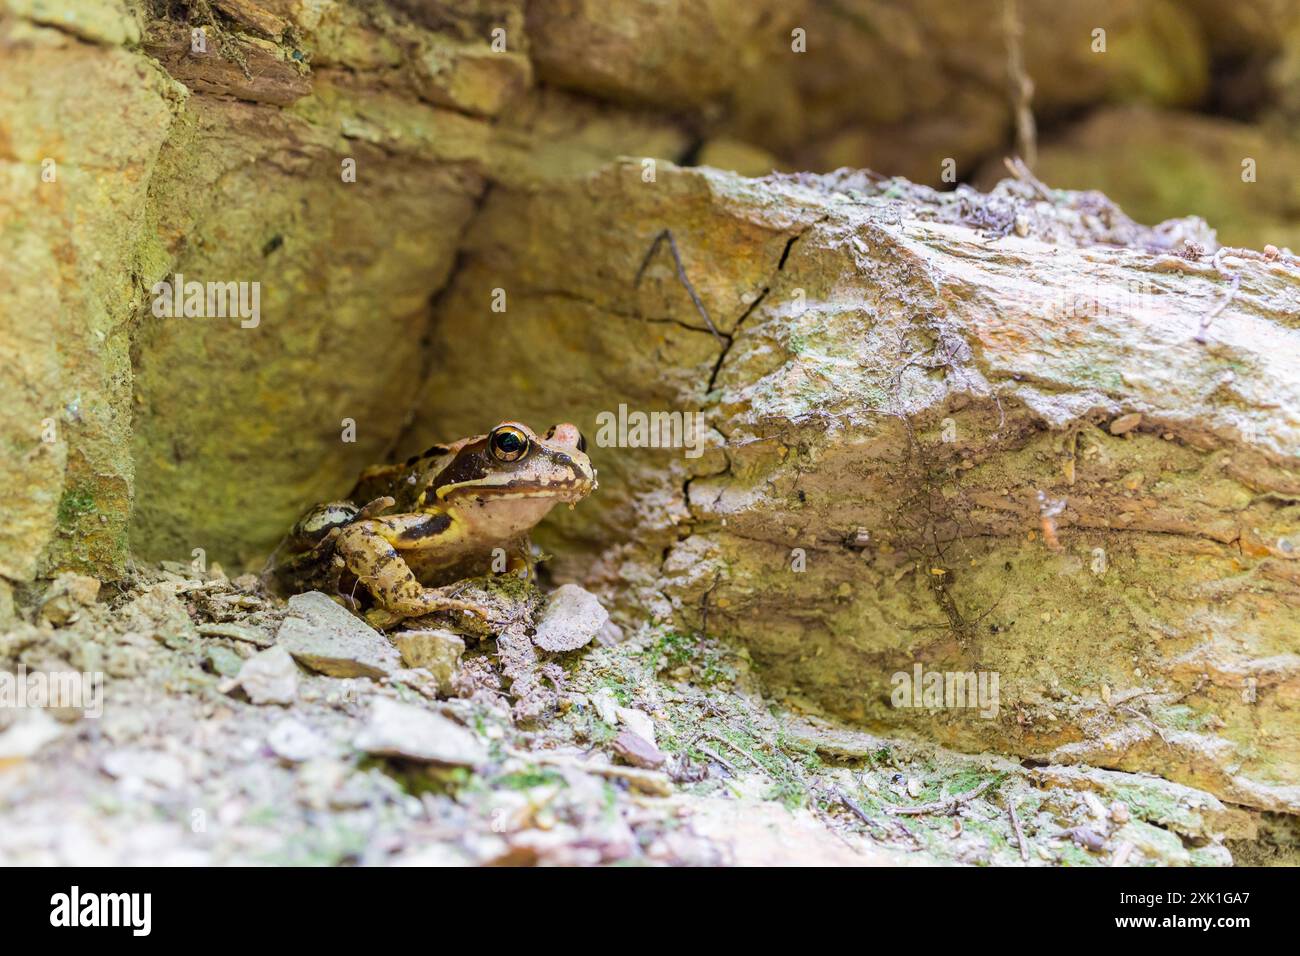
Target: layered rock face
[335, 193]
[1010, 434]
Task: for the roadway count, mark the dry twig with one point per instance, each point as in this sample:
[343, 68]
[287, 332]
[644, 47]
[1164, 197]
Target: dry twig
[942, 806]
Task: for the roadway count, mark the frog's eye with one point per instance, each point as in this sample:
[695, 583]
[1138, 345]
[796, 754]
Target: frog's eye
[508, 443]
[582, 442]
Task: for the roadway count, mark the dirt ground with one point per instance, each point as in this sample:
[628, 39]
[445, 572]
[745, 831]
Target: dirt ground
[647, 748]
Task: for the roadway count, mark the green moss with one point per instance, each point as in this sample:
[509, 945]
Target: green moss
[76, 503]
[1072, 855]
[1157, 807]
[527, 779]
[706, 657]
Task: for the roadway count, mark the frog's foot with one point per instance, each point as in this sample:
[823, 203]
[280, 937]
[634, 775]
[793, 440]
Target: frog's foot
[521, 565]
[383, 572]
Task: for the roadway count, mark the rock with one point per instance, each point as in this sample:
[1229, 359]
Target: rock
[716, 542]
[639, 723]
[637, 751]
[605, 705]
[752, 833]
[1125, 423]
[224, 661]
[67, 595]
[253, 15]
[1090, 838]
[470, 77]
[935, 71]
[109, 22]
[78, 188]
[294, 741]
[269, 677]
[134, 765]
[436, 651]
[405, 730]
[237, 632]
[323, 636]
[26, 736]
[571, 618]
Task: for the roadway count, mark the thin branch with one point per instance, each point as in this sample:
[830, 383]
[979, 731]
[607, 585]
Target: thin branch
[1020, 834]
[943, 806]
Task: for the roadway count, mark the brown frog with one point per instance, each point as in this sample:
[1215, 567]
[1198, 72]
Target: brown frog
[435, 519]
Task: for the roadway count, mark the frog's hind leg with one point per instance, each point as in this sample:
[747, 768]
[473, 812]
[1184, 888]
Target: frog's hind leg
[370, 555]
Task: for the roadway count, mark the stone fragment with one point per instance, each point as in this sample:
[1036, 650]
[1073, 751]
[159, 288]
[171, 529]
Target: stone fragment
[404, 730]
[637, 751]
[324, 637]
[136, 765]
[437, 651]
[638, 722]
[294, 741]
[571, 618]
[268, 677]
[28, 735]
[606, 706]
[65, 598]
[1126, 423]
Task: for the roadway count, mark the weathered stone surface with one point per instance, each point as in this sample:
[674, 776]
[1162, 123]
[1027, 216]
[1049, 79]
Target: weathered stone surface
[909, 399]
[72, 218]
[405, 730]
[438, 652]
[469, 76]
[323, 636]
[112, 22]
[313, 363]
[674, 55]
[266, 74]
[637, 751]
[269, 677]
[67, 596]
[893, 391]
[571, 619]
[294, 741]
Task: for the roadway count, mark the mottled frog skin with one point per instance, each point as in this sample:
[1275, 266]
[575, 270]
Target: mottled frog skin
[407, 529]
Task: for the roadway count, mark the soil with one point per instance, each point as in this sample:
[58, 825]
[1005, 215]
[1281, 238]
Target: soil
[183, 768]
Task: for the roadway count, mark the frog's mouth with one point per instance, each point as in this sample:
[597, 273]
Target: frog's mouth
[566, 491]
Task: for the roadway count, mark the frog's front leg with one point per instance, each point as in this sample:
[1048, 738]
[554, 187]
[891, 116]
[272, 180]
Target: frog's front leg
[368, 548]
[520, 561]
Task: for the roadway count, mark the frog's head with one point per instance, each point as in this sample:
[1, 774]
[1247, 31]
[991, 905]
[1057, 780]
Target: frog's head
[510, 478]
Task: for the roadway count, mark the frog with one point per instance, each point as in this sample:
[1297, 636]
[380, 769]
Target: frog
[407, 533]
